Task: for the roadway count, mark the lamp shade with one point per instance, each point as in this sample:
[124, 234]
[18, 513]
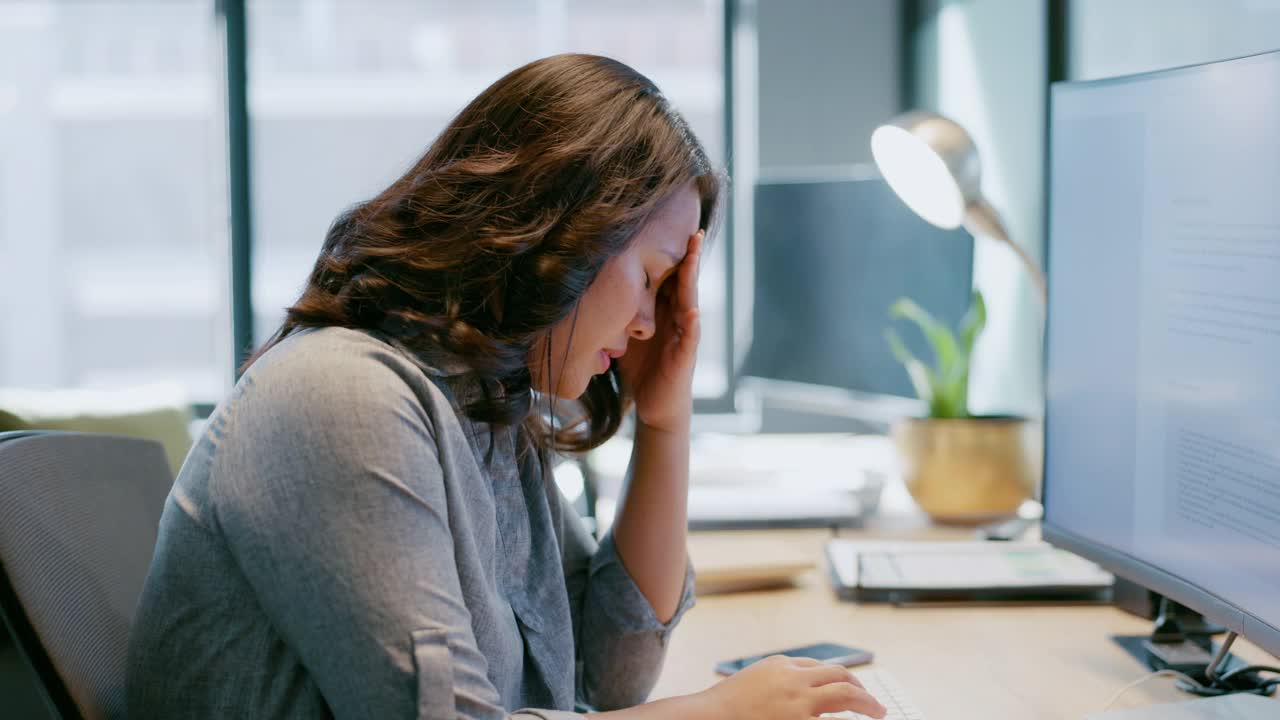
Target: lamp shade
[931, 163]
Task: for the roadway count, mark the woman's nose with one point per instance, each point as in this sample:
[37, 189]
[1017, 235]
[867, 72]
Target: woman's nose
[642, 325]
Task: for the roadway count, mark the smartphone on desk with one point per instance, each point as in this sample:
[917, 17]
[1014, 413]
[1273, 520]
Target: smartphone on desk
[827, 652]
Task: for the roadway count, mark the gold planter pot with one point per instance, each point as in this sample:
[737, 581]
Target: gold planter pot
[969, 471]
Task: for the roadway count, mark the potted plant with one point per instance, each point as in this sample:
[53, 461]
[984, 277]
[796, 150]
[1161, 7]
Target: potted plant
[960, 468]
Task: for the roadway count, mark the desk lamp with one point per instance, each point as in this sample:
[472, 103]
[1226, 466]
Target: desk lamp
[932, 164]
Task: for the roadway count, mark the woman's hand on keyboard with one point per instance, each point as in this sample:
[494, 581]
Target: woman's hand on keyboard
[787, 688]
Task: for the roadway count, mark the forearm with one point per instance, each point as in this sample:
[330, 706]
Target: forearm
[686, 707]
[650, 530]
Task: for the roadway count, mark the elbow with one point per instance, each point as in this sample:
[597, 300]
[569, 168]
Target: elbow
[628, 683]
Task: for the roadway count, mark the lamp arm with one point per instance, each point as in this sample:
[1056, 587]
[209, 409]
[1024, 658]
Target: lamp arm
[982, 219]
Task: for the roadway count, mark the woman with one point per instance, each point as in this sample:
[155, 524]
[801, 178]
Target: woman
[367, 528]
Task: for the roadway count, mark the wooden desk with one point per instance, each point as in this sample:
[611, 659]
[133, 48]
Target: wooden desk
[957, 663]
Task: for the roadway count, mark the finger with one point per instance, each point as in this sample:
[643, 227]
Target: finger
[687, 331]
[826, 674]
[807, 662]
[688, 290]
[697, 244]
[854, 679]
[691, 331]
[685, 287]
[839, 697]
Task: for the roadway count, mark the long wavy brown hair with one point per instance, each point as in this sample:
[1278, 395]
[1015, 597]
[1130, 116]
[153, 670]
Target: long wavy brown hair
[495, 233]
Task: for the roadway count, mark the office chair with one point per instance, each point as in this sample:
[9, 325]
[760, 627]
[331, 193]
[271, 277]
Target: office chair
[78, 520]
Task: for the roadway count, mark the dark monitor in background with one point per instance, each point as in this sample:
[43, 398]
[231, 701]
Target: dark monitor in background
[1163, 340]
[831, 256]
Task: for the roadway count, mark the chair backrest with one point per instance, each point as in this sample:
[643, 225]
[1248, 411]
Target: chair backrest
[78, 520]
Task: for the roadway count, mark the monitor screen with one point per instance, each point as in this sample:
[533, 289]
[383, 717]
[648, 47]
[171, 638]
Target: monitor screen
[831, 257]
[1162, 434]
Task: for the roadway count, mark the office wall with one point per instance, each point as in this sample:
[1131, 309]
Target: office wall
[829, 71]
[813, 78]
[982, 63]
[1108, 38]
[828, 75]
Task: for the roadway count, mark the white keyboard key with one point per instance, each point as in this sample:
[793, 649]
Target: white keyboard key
[885, 688]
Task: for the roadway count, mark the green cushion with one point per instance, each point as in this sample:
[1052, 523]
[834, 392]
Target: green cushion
[9, 422]
[167, 425]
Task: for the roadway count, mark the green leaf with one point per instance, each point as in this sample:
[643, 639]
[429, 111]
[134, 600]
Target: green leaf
[945, 350]
[971, 326]
[972, 323]
[956, 392]
[922, 379]
[945, 388]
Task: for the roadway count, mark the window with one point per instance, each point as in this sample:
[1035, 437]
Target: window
[113, 157]
[345, 95]
[112, 196]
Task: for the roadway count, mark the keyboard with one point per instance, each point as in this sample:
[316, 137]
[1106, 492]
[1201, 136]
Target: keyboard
[885, 688]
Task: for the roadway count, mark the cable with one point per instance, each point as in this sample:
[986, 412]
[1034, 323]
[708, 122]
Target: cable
[1263, 687]
[1266, 687]
[1139, 681]
[1228, 676]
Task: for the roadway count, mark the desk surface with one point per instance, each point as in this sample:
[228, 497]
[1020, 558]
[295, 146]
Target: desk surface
[957, 663]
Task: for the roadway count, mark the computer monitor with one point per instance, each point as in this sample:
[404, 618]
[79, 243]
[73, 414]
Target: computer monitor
[1162, 427]
[832, 254]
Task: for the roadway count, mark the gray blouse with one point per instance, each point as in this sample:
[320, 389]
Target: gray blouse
[336, 545]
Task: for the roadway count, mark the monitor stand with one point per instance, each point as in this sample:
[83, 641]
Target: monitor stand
[1182, 641]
